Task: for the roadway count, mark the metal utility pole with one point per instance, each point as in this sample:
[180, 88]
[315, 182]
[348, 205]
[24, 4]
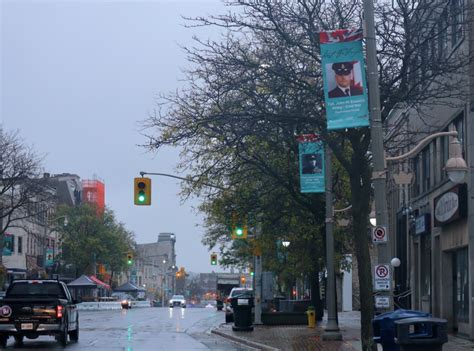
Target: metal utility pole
[332, 328]
[378, 153]
[258, 284]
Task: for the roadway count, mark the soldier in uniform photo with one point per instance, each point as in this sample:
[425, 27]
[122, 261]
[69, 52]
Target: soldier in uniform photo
[344, 85]
[312, 163]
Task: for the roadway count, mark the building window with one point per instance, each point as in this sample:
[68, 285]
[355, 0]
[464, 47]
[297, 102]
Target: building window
[457, 18]
[459, 127]
[426, 174]
[443, 34]
[20, 244]
[416, 171]
[444, 155]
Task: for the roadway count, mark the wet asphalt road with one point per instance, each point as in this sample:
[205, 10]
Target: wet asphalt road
[142, 329]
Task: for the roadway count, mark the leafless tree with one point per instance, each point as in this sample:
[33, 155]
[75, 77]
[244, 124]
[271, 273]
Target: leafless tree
[24, 194]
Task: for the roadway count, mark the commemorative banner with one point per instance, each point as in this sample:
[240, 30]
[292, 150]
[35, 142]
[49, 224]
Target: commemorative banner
[311, 157]
[7, 245]
[345, 88]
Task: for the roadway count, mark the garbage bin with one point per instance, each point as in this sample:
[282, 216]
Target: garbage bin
[414, 334]
[384, 327]
[311, 313]
[242, 308]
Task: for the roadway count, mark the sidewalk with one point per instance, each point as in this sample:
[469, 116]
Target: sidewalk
[302, 338]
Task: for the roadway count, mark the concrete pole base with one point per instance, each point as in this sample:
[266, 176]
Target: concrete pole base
[332, 335]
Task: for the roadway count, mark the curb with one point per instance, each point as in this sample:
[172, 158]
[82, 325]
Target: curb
[243, 341]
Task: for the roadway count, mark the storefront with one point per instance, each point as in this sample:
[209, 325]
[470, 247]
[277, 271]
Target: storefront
[451, 271]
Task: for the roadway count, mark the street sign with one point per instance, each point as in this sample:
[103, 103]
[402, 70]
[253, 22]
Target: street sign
[379, 234]
[382, 302]
[382, 277]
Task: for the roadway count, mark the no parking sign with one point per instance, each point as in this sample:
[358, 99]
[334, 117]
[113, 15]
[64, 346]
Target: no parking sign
[382, 277]
[379, 234]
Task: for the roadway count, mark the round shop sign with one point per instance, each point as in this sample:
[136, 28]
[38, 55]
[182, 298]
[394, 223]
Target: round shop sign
[446, 206]
[5, 311]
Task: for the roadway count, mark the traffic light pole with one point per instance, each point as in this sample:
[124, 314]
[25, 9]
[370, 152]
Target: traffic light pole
[142, 173]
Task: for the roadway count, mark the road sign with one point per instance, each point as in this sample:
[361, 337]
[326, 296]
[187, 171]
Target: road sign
[379, 234]
[382, 277]
[382, 302]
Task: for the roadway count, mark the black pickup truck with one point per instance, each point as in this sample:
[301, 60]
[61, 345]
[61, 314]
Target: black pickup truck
[32, 308]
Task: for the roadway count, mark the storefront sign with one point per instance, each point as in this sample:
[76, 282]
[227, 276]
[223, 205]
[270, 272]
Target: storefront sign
[422, 224]
[450, 206]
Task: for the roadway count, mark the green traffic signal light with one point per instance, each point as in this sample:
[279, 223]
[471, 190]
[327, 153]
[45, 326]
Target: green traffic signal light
[239, 231]
[141, 196]
[252, 273]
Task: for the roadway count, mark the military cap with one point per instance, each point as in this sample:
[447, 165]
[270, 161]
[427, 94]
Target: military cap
[342, 68]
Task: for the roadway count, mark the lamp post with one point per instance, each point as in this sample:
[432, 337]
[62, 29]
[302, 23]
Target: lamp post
[163, 277]
[331, 332]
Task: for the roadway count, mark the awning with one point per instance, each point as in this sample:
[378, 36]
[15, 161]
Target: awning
[99, 282]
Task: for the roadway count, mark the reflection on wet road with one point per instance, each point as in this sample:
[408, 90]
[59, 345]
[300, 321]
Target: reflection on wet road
[144, 329]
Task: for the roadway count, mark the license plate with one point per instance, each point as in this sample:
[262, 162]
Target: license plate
[242, 301]
[26, 326]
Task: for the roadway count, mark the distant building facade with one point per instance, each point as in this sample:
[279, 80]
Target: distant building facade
[155, 266]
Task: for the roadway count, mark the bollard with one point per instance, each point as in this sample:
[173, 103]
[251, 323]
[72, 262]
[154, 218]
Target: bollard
[311, 317]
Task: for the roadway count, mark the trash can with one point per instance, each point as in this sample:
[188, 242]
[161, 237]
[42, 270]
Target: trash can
[414, 334]
[242, 308]
[384, 327]
[311, 313]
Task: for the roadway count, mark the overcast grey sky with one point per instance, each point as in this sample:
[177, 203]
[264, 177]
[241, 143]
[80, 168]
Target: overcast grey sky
[77, 76]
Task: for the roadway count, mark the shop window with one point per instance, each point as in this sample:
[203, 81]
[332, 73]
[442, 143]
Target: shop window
[461, 285]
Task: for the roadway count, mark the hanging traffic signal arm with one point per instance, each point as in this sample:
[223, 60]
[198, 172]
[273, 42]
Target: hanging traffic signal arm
[142, 191]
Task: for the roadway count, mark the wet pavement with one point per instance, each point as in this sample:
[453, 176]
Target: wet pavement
[143, 329]
[302, 338]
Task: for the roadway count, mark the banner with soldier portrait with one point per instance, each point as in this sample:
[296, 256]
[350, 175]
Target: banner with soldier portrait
[311, 157]
[345, 88]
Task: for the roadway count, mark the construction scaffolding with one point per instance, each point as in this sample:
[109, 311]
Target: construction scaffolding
[93, 193]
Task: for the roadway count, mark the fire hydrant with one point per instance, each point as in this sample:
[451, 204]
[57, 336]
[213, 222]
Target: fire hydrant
[311, 317]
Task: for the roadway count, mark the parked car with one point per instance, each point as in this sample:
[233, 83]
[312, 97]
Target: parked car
[32, 308]
[235, 293]
[177, 300]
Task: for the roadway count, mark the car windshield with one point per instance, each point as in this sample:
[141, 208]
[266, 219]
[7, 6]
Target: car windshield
[36, 289]
[178, 297]
[241, 293]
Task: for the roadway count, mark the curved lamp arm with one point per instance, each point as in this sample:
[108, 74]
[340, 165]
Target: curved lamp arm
[413, 152]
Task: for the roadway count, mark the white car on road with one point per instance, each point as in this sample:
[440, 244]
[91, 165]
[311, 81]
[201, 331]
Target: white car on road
[177, 300]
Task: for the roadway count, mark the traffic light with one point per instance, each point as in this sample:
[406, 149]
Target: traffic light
[142, 191]
[178, 275]
[239, 228]
[129, 259]
[213, 259]
[242, 280]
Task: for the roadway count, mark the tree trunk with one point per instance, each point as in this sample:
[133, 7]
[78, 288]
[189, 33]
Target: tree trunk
[360, 197]
[316, 296]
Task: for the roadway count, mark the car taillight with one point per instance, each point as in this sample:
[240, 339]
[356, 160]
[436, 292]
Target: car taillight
[59, 311]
